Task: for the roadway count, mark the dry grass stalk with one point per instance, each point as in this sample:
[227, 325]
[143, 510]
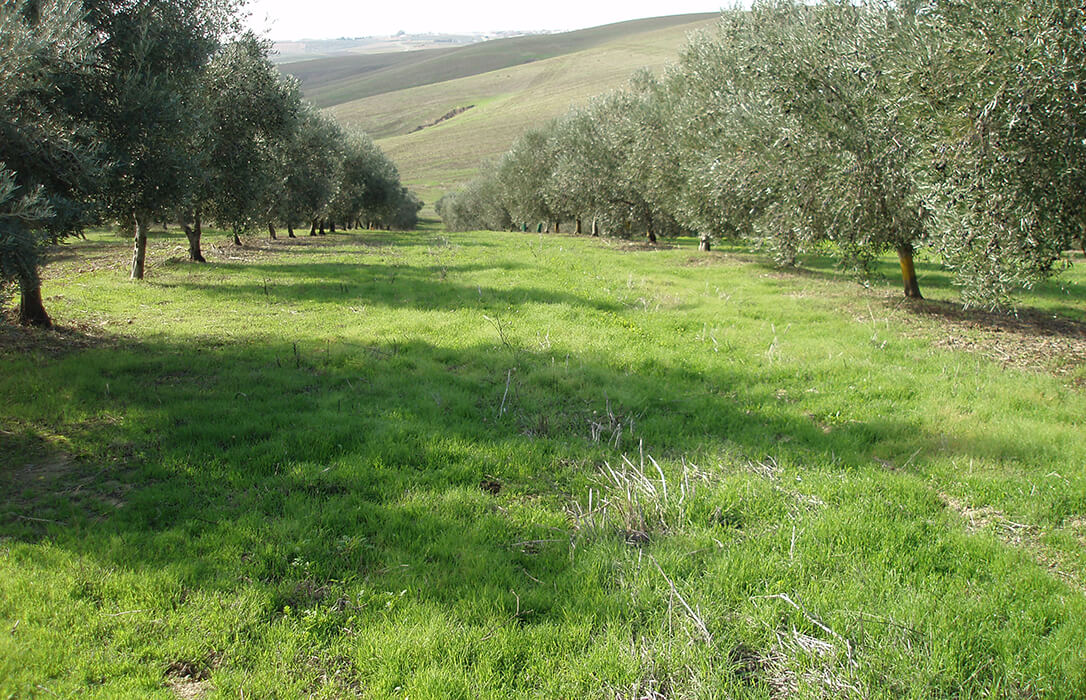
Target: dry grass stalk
[699, 623]
[636, 499]
[814, 621]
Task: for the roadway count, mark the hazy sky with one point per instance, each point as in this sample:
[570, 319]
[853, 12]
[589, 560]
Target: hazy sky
[321, 19]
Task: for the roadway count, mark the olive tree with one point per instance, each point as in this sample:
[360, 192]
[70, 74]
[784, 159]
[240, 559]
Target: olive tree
[353, 190]
[374, 180]
[829, 144]
[1008, 171]
[146, 102]
[610, 162]
[721, 145]
[405, 215]
[47, 157]
[311, 161]
[524, 173]
[249, 108]
[478, 205]
[651, 116]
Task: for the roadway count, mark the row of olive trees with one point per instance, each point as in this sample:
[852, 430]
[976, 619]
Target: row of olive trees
[144, 110]
[860, 127]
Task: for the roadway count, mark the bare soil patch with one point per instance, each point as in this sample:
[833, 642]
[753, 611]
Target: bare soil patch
[1014, 534]
[634, 244]
[54, 342]
[47, 476]
[712, 259]
[1028, 339]
[187, 680]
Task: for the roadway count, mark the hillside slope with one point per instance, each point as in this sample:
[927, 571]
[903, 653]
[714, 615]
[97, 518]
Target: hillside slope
[504, 103]
[333, 81]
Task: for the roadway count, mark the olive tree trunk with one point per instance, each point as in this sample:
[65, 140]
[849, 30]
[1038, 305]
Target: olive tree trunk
[31, 308]
[193, 233]
[290, 231]
[908, 272]
[705, 244]
[139, 247]
[271, 231]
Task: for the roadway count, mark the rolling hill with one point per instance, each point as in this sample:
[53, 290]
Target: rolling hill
[312, 49]
[507, 86]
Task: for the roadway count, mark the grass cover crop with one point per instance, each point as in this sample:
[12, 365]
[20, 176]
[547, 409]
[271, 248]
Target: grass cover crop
[514, 465]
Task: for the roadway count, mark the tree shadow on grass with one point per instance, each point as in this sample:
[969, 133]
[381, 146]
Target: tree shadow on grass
[229, 432]
[217, 244]
[1025, 321]
[76, 249]
[1063, 317]
[16, 340]
[427, 287]
[357, 238]
[1062, 295]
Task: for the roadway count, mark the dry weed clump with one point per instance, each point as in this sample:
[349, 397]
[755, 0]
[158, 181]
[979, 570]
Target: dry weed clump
[635, 499]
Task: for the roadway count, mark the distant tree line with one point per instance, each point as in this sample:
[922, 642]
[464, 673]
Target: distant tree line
[137, 111]
[858, 127]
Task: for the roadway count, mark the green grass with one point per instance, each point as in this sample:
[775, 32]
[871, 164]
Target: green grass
[424, 465]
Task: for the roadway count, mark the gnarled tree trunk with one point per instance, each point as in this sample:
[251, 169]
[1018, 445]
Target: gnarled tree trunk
[290, 231]
[331, 226]
[313, 228]
[31, 308]
[139, 247]
[237, 239]
[595, 227]
[271, 231]
[908, 271]
[578, 231]
[193, 233]
[704, 244]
